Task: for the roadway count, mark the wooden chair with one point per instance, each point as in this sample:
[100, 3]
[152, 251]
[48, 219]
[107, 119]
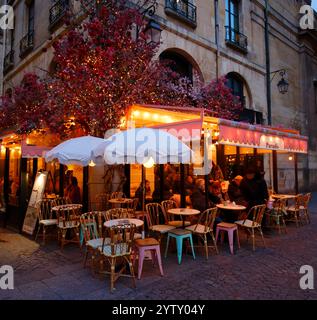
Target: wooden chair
[171, 204]
[69, 222]
[276, 216]
[155, 213]
[204, 227]
[256, 214]
[93, 240]
[60, 201]
[117, 213]
[132, 206]
[119, 250]
[46, 221]
[305, 207]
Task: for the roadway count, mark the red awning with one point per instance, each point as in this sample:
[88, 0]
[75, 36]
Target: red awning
[245, 135]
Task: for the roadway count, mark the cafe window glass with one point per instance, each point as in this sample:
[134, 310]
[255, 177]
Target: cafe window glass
[14, 175]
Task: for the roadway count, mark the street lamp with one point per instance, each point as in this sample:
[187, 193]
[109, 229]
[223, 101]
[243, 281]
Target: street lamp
[283, 84]
[153, 32]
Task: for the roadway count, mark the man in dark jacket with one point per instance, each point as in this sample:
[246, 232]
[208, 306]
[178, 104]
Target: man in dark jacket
[198, 197]
[235, 192]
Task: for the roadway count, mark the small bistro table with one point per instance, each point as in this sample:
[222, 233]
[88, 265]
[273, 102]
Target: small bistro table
[283, 196]
[120, 201]
[68, 207]
[116, 222]
[231, 207]
[184, 212]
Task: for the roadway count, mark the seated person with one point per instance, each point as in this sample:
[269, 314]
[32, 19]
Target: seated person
[235, 193]
[198, 197]
[189, 185]
[215, 195]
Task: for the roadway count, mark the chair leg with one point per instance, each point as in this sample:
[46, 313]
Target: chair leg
[179, 243]
[44, 234]
[38, 231]
[159, 259]
[262, 237]
[217, 234]
[192, 245]
[167, 244]
[132, 272]
[86, 257]
[141, 260]
[206, 246]
[215, 242]
[230, 235]
[253, 239]
[112, 275]
[238, 239]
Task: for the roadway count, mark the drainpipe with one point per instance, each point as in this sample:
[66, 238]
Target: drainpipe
[217, 36]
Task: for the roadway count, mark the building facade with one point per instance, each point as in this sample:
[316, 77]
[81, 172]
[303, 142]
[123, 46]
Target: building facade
[207, 39]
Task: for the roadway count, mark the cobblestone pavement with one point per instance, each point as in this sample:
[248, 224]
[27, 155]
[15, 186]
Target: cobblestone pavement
[271, 273]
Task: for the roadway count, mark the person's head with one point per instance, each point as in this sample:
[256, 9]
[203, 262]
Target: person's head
[200, 184]
[189, 179]
[74, 182]
[215, 187]
[147, 184]
[250, 173]
[238, 180]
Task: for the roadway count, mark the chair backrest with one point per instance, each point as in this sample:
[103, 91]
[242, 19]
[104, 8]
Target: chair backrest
[279, 206]
[60, 201]
[102, 201]
[121, 240]
[167, 205]
[89, 225]
[304, 200]
[69, 216]
[44, 209]
[256, 214]
[117, 195]
[207, 219]
[154, 211]
[117, 213]
[132, 206]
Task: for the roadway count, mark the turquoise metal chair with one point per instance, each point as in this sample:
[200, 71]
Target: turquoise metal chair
[179, 235]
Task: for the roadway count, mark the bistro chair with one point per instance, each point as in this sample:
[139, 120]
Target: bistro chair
[68, 220]
[131, 206]
[155, 214]
[204, 227]
[276, 216]
[119, 250]
[90, 226]
[60, 201]
[102, 203]
[45, 216]
[300, 210]
[256, 214]
[171, 204]
[117, 195]
[230, 229]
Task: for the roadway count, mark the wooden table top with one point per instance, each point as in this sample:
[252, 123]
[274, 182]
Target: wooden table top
[184, 212]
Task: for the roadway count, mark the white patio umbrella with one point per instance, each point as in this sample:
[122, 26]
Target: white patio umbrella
[144, 146]
[76, 151]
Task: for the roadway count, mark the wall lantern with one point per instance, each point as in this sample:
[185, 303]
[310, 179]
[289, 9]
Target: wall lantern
[283, 84]
[153, 32]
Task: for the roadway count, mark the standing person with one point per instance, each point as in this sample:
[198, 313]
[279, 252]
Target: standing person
[139, 193]
[263, 195]
[216, 173]
[250, 188]
[73, 191]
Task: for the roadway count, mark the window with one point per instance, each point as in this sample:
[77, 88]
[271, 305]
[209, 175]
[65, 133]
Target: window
[232, 15]
[31, 17]
[236, 85]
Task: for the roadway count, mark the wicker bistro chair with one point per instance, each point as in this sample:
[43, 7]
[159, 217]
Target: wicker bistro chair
[60, 201]
[102, 203]
[276, 216]
[299, 210]
[119, 248]
[117, 195]
[132, 206]
[90, 226]
[68, 219]
[45, 216]
[171, 204]
[204, 227]
[154, 213]
[256, 214]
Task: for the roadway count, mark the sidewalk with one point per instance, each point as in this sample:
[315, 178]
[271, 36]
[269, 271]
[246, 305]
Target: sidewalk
[271, 273]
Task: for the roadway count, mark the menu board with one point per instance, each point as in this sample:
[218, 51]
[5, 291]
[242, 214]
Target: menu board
[37, 194]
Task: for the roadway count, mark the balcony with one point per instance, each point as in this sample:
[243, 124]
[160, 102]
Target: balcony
[27, 44]
[8, 62]
[182, 10]
[236, 39]
[57, 13]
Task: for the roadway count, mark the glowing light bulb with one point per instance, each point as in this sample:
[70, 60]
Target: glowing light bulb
[149, 163]
[92, 164]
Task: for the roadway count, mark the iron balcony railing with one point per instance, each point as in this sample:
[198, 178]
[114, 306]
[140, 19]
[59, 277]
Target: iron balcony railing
[57, 12]
[27, 43]
[236, 39]
[8, 61]
[182, 9]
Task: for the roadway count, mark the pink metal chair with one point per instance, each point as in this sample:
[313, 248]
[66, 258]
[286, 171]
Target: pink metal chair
[230, 228]
[149, 244]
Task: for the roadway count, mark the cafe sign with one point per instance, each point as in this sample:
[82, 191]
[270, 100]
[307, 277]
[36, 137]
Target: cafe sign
[271, 142]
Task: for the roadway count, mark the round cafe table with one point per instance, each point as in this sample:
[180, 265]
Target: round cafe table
[120, 201]
[231, 207]
[67, 207]
[283, 196]
[185, 212]
[117, 222]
